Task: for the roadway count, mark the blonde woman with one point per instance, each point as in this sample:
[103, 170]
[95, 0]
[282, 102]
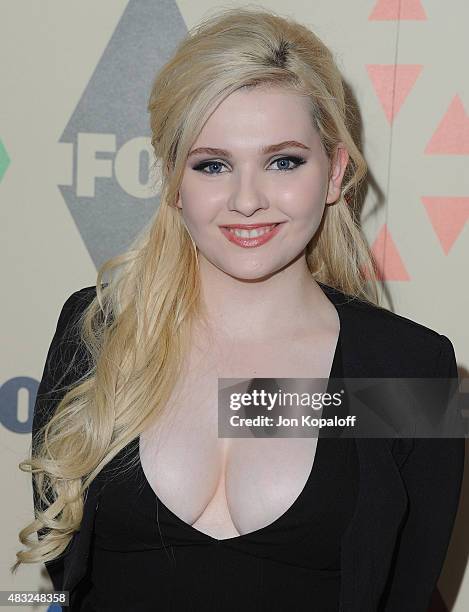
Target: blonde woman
[253, 267]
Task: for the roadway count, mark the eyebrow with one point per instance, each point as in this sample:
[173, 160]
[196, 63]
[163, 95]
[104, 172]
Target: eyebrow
[264, 150]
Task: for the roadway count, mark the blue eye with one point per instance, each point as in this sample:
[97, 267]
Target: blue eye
[298, 161]
[201, 167]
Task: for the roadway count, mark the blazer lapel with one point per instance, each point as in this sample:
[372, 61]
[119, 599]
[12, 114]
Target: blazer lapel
[369, 540]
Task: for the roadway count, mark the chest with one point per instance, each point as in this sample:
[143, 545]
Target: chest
[226, 487]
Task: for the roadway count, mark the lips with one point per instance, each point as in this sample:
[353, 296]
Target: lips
[250, 242]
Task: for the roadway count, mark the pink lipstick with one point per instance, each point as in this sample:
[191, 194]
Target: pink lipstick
[253, 235]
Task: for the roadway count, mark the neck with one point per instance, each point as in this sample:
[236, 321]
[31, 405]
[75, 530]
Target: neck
[281, 304]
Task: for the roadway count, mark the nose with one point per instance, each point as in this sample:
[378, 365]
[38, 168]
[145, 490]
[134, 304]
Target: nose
[247, 197]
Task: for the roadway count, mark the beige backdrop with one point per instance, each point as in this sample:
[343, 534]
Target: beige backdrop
[64, 208]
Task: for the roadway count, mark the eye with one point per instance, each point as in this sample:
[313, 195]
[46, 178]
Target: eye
[201, 167]
[298, 161]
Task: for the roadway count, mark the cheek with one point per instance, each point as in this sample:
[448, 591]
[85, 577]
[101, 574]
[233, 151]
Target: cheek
[304, 199]
[196, 210]
[201, 202]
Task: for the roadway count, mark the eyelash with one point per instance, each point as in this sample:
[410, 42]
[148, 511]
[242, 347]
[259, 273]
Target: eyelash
[297, 160]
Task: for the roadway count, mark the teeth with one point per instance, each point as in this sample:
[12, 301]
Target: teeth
[254, 233]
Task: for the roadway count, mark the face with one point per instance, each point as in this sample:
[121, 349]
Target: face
[247, 181]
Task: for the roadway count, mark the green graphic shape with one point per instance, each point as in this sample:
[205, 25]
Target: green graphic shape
[4, 160]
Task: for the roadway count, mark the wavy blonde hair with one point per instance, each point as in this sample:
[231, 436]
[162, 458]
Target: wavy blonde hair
[137, 328]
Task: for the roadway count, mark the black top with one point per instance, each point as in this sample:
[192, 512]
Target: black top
[145, 558]
[409, 488]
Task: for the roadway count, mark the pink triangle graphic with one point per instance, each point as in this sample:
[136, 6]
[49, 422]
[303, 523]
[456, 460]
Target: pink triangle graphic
[448, 215]
[451, 137]
[390, 266]
[392, 84]
[393, 10]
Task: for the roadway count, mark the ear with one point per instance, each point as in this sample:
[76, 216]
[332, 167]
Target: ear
[178, 201]
[338, 165]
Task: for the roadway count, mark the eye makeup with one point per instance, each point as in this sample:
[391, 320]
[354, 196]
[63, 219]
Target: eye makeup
[298, 161]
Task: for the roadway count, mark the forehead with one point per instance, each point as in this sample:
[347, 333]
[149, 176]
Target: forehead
[259, 115]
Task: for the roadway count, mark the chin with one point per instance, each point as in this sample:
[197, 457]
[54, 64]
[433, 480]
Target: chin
[250, 275]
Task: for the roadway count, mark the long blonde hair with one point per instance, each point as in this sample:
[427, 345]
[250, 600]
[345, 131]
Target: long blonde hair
[137, 328]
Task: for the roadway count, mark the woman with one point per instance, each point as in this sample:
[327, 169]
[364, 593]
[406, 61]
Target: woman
[139, 504]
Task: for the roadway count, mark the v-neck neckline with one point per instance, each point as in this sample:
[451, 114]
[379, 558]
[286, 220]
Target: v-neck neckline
[335, 372]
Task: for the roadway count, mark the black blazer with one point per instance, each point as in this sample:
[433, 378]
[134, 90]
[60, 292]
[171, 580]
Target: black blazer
[395, 545]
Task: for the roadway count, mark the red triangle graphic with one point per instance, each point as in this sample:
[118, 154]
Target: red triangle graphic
[390, 266]
[393, 10]
[392, 84]
[451, 137]
[448, 216]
